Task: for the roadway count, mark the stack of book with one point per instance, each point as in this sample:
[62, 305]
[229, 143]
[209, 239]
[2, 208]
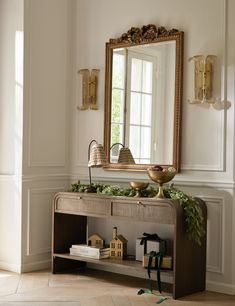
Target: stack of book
[89, 251]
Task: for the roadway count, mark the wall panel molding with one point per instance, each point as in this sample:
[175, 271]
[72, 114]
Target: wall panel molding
[215, 234]
[222, 136]
[47, 177]
[29, 65]
[33, 194]
[10, 177]
[126, 178]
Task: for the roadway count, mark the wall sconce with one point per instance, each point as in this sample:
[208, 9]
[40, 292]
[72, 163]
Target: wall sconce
[89, 88]
[125, 156]
[203, 79]
[96, 158]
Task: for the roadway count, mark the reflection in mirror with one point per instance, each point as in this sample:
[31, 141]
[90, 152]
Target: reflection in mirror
[124, 155]
[143, 86]
[143, 91]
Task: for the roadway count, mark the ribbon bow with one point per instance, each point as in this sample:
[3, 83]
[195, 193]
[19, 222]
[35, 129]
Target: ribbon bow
[155, 237]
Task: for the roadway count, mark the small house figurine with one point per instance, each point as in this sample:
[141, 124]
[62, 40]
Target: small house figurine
[118, 246]
[96, 240]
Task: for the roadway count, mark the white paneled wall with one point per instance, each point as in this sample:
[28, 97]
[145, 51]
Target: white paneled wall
[63, 36]
[207, 133]
[11, 106]
[29, 181]
[46, 108]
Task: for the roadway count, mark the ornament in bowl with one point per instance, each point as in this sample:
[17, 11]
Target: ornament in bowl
[161, 175]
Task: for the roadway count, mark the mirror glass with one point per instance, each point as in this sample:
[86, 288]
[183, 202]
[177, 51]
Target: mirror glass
[142, 107]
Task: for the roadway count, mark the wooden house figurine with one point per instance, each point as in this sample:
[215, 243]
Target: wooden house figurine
[118, 246]
[96, 240]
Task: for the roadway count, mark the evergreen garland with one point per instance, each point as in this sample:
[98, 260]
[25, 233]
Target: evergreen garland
[192, 210]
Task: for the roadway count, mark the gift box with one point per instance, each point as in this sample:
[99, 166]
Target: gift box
[151, 245]
[166, 262]
[148, 243]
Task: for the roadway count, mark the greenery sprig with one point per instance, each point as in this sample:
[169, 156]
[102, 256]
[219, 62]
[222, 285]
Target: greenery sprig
[192, 210]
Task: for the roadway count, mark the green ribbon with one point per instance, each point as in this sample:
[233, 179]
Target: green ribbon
[161, 298]
[158, 262]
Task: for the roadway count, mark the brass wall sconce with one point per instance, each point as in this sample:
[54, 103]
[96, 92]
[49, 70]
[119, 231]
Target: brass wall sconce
[125, 156]
[96, 158]
[203, 79]
[89, 88]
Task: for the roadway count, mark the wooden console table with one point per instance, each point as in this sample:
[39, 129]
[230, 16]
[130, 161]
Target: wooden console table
[70, 212]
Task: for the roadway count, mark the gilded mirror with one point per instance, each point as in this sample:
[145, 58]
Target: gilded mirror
[143, 93]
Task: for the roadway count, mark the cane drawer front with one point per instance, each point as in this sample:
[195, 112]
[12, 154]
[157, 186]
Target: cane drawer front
[125, 209]
[84, 206]
[160, 213]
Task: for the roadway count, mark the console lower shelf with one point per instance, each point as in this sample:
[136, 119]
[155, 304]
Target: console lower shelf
[117, 263]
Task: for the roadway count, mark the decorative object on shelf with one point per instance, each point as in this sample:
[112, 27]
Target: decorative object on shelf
[96, 240]
[118, 246]
[161, 175]
[96, 158]
[148, 243]
[203, 79]
[124, 156]
[84, 250]
[138, 187]
[89, 88]
[166, 262]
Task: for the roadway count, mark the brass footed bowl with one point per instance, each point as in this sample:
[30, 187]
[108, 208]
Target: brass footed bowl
[161, 177]
[138, 186]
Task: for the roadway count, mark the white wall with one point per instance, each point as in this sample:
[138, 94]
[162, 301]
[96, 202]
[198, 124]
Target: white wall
[28, 181]
[11, 98]
[46, 135]
[207, 133]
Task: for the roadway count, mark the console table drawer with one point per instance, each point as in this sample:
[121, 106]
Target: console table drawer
[92, 207]
[158, 213]
[125, 209]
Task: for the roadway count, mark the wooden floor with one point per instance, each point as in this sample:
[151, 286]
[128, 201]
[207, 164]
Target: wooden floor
[90, 288]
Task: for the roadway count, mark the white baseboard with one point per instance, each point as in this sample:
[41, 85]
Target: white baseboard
[220, 287]
[28, 267]
[10, 267]
[35, 266]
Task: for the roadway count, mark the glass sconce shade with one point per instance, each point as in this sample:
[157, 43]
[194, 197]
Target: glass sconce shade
[203, 79]
[89, 88]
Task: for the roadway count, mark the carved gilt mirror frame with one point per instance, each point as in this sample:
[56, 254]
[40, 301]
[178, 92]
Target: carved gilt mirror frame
[135, 37]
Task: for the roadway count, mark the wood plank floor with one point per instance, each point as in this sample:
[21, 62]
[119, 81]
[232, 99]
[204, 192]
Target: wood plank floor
[90, 288]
